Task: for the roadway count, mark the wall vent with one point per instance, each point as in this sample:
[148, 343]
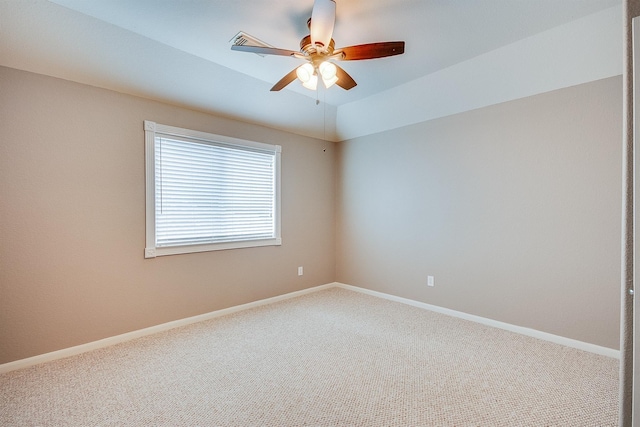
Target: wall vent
[244, 39]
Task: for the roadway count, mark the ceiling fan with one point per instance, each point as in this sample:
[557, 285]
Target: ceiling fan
[319, 52]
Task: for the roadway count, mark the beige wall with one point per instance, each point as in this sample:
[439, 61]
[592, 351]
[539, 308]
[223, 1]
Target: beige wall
[72, 219]
[514, 208]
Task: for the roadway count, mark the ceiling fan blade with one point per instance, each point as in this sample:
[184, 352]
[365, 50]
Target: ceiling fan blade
[345, 81]
[264, 50]
[323, 18]
[371, 50]
[285, 81]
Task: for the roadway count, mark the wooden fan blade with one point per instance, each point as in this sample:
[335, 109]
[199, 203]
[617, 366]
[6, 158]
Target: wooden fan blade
[345, 81]
[371, 51]
[323, 18]
[264, 50]
[285, 81]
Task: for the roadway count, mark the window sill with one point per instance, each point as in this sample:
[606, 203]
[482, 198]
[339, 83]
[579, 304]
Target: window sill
[187, 249]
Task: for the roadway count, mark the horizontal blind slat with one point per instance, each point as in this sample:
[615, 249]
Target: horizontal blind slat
[208, 193]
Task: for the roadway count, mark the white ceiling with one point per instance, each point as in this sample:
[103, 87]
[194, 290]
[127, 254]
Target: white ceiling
[179, 51]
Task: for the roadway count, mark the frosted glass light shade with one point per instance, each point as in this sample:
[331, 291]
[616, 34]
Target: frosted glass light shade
[329, 82]
[312, 83]
[328, 70]
[305, 72]
[307, 75]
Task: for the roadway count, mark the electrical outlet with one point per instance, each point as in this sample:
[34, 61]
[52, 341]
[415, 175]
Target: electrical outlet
[430, 281]
[300, 271]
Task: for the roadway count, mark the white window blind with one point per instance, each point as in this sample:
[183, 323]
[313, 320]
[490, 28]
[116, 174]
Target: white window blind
[211, 192]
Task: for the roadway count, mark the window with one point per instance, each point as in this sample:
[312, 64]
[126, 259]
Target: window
[207, 192]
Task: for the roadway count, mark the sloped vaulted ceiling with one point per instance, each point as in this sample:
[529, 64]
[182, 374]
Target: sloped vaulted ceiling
[459, 55]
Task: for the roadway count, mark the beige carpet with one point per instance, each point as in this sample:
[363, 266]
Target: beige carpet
[331, 358]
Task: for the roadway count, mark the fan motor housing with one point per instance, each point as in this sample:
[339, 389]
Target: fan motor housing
[309, 49]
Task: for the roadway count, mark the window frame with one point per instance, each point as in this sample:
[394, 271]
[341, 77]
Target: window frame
[151, 250]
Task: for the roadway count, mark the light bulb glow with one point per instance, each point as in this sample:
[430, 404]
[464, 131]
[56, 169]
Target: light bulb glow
[328, 70]
[305, 72]
[329, 82]
[312, 83]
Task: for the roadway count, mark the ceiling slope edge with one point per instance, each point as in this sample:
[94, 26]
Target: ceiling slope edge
[580, 51]
[146, 68]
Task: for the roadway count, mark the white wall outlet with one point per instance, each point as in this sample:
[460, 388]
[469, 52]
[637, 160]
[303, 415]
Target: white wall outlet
[300, 271]
[430, 281]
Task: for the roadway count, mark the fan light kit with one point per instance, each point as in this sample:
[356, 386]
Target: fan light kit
[318, 50]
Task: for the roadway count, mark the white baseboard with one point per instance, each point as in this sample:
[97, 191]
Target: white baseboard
[580, 345]
[106, 342]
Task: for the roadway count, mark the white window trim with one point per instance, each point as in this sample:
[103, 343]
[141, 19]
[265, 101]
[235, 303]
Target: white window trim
[151, 251]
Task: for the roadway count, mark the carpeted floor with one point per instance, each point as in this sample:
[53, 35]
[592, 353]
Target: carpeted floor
[330, 358]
